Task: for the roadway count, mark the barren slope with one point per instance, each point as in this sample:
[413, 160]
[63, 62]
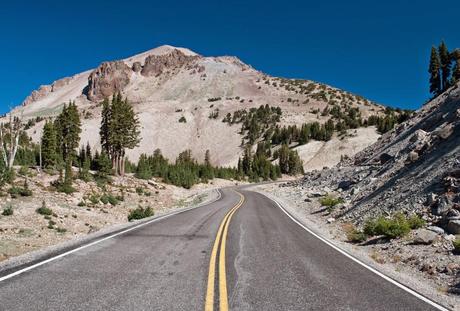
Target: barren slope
[167, 83]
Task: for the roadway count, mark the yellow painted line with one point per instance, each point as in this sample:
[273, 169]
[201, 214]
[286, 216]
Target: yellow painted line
[209, 302]
[223, 297]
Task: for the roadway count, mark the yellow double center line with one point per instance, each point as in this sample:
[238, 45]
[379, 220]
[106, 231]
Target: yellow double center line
[220, 240]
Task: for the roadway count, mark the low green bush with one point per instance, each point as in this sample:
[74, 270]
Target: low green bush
[394, 227]
[16, 192]
[330, 202]
[8, 211]
[61, 230]
[94, 198]
[416, 222]
[456, 244]
[140, 213]
[43, 210]
[353, 234]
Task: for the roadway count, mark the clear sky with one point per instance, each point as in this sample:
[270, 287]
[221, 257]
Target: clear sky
[378, 49]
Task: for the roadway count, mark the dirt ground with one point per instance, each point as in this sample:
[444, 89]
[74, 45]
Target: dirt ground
[83, 212]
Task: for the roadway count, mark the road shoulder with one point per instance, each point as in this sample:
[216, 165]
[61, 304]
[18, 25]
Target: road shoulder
[331, 234]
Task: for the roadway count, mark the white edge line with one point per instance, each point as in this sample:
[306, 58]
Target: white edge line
[387, 278]
[41, 263]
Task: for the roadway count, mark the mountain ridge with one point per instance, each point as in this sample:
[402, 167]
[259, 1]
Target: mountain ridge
[167, 83]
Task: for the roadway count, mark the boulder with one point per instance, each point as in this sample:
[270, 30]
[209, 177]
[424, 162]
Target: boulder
[413, 156]
[424, 236]
[453, 226]
[444, 131]
[419, 135]
[436, 229]
[137, 67]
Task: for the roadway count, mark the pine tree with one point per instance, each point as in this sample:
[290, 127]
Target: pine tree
[119, 131]
[445, 60]
[105, 126]
[246, 162]
[283, 156]
[103, 165]
[456, 69]
[49, 146]
[434, 70]
[68, 129]
[143, 170]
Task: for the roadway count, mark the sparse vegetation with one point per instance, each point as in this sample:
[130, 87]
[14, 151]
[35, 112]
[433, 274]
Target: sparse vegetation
[44, 210]
[140, 212]
[392, 227]
[456, 244]
[8, 211]
[330, 201]
[354, 235]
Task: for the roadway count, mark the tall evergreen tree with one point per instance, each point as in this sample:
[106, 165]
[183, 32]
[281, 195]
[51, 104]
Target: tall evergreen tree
[434, 70]
[445, 61]
[456, 69]
[49, 146]
[119, 131]
[68, 129]
[104, 131]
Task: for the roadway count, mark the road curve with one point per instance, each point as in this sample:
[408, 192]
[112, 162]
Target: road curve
[269, 263]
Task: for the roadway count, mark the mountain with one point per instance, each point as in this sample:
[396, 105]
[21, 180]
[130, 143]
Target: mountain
[168, 84]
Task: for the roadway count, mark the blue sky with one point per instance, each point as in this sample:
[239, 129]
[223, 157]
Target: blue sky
[378, 50]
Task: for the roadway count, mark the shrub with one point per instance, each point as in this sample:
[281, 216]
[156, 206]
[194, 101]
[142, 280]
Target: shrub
[43, 210]
[396, 226]
[81, 203]
[140, 213]
[415, 222]
[139, 190]
[65, 188]
[330, 202]
[104, 199]
[353, 234]
[456, 244]
[8, 211]
[112, 200]
[94, 198]
[16, 192]
[182, 120]
[61, 230]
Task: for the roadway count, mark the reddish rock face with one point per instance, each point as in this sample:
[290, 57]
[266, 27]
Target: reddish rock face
[108, 79]
[156, 64]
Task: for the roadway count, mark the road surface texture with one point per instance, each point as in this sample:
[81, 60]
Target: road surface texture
[241, 252]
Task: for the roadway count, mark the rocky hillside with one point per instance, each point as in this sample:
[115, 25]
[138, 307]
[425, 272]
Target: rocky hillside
[414, 168]
[169, 84]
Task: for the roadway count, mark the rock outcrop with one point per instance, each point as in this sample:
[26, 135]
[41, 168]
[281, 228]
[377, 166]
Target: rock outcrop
[108, 79]
[156, 64]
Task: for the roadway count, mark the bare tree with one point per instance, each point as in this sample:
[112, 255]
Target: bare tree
[9, 140]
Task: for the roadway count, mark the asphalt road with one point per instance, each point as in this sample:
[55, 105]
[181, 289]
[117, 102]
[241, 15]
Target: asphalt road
[240, 252]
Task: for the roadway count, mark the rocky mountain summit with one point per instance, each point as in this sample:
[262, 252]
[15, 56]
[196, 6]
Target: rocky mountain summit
[168, 84]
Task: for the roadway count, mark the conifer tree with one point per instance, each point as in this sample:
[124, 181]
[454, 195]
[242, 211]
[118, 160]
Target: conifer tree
[49, 146]
[434, 70]
[456, 69]
[68, 129]
[119, 131]
[445, 62]
[143, 170]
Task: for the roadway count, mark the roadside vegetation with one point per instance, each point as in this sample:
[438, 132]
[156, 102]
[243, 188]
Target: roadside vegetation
[395, 226]
[140, 212]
